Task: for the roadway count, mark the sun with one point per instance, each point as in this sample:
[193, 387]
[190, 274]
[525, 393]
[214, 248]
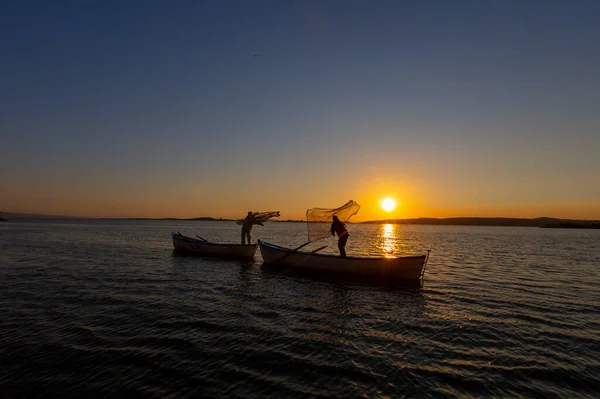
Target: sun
[388, 204]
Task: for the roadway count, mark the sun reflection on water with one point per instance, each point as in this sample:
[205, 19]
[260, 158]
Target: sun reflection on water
[388, 240]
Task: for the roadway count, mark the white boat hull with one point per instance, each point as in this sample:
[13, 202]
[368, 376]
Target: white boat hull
[199, 247]
[407, 267]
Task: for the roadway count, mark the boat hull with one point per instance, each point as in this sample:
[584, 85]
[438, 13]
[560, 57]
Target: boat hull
[406, 268]
[198, 247]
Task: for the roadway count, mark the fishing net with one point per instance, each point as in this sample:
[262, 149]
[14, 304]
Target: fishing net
[318, 220]
[264, 216]
[261, 216]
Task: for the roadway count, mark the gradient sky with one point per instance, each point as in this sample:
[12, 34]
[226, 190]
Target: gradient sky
[197, 108]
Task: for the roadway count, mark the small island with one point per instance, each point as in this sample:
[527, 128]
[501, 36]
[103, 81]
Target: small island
[3, 220]
[573, 225]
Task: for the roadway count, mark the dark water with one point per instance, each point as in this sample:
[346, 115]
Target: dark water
[91, 309]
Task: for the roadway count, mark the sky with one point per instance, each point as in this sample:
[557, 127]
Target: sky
[214, 108]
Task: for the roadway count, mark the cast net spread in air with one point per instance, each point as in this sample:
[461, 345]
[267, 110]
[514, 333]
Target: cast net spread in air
[318, 220]
[261, 216]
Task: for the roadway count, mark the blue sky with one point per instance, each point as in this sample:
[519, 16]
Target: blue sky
[187, 108]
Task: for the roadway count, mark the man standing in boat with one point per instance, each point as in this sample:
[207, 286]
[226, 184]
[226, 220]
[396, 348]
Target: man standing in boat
[249, 221]
[340, 228]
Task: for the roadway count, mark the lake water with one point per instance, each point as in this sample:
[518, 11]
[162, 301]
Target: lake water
[104, 308]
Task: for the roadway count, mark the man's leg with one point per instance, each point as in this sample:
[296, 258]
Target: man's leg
[342, 245]
[243, 237]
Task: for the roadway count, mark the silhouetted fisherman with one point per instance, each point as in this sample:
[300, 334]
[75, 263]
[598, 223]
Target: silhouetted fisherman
[340, 228]
[249, 221]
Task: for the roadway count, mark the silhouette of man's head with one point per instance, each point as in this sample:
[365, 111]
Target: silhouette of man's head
[335, 218]
[249, 212]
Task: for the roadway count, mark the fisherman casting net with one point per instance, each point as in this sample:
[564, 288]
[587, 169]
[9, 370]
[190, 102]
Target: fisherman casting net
[318, 220]
[262, 216]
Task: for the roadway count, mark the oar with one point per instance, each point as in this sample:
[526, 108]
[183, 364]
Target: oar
[318, 249]
[201, 238]
[301, 246]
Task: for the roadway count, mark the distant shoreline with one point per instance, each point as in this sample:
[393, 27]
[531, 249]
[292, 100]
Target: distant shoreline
[543, 222]
[205, 219]
[574, 225]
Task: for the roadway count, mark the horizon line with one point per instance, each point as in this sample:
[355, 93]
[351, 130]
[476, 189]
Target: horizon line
[24, 215]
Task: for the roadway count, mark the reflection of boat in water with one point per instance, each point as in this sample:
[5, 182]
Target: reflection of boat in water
[406, 267]
[199, 246]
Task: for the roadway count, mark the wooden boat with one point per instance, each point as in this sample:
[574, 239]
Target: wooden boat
[201, 246]
[406, 267]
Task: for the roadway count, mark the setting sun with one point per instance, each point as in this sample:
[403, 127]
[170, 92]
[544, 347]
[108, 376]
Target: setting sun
[388, 204]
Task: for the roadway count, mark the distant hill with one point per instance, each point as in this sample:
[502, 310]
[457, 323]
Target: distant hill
[477, 221]
[16, 216]
[205, 218]
[574, 225]
[29, 216]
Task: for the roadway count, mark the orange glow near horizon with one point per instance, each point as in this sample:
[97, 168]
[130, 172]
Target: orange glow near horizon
[413, 201]
[190, 207]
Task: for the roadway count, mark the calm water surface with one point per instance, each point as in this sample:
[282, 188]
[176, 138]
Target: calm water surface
[104, 308]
